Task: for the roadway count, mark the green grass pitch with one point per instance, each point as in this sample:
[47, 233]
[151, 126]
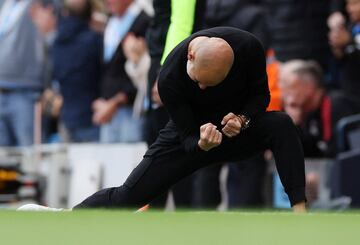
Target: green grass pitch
[100, 227]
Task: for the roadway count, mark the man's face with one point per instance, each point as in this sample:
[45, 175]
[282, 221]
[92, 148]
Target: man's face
[117, 7]
[76, 6]
[297, 94]
[353, 9]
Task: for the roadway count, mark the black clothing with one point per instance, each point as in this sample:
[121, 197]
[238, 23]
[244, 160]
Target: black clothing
[166, 162]
[316, 132]
[244, 91]
[245, 179]
[299, 29]
[173, 156]
[338, 6]
[349, 66]
[246, 182]
[156, 118]
[115, 78]
[158, 28]
[239, 14]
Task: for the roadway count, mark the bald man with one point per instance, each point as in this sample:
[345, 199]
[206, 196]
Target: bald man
[214, 86]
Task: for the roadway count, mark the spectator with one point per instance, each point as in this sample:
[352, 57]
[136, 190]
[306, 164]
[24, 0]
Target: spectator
[305, 101]
[345, 44]
[77, 54]
[22, 60]
[114, 109]
[312, 109]
[137, 67]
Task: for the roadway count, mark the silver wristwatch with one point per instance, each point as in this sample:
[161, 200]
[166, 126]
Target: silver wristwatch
[245, 121]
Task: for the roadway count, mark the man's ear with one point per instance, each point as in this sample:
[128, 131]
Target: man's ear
[190, 56]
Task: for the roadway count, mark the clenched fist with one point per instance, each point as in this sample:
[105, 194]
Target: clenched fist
[210, 137]
[232, 125]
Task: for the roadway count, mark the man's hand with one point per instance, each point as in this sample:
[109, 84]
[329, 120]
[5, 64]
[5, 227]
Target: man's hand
[233, 124]
[210, 137]
[134, 47]
[104, 110]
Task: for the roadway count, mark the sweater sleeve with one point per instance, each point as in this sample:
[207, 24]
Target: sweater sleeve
[259, 94]
[181, 24]
[183, 117]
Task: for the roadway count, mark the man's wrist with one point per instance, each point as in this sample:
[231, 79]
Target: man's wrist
[244, 121]
[201, 145]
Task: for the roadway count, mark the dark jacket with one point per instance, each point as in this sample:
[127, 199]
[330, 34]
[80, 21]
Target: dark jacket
[159, 25]
[349, 66]
[244, 90]
[115, 79]
[243, 14]
[298, 29]
[77, 65]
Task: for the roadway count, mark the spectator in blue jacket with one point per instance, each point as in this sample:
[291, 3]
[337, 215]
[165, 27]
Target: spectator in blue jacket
[77, 52]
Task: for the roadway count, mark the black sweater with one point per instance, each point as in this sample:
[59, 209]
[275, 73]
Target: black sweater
[244, 91]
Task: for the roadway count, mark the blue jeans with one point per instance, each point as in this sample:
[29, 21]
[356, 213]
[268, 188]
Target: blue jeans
[80, 135]
[17, 117]
[123, 128]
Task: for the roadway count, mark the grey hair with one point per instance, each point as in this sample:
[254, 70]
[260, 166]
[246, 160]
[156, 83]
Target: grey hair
[307, 70]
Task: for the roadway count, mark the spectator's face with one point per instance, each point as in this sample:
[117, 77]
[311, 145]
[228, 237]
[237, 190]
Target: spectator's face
[75, 6]
[353, 9]
[118, 7]
[297, 94]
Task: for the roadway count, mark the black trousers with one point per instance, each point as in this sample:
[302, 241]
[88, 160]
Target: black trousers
[166, 162]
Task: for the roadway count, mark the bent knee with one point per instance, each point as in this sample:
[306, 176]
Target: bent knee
[280, 121]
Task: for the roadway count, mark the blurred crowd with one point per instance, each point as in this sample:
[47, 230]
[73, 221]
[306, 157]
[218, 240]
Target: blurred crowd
[86, 71]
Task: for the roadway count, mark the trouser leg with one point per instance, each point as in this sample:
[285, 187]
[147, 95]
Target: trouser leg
[274, 131]
[245, 182]
[206, 187]
[160, 170]
[280, 135]
[153, 176]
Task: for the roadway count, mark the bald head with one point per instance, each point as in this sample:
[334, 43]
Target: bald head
[209, 60]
